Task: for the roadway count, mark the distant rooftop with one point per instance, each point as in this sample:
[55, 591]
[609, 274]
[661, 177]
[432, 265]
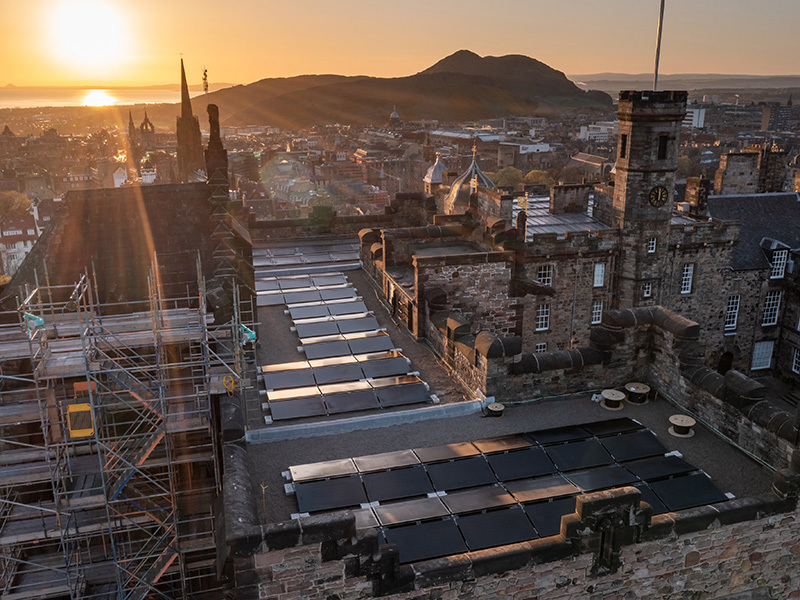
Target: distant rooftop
[540, 220]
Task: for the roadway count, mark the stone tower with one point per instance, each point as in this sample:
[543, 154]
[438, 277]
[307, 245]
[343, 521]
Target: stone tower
[190, 150]
[644, 187]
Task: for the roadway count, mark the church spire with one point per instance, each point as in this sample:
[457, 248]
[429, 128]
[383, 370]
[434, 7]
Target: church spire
[186, 104]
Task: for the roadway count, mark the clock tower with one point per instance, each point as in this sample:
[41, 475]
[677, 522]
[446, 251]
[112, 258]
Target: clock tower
[644, 187]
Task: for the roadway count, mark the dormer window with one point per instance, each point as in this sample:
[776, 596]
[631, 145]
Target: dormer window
[779, 258]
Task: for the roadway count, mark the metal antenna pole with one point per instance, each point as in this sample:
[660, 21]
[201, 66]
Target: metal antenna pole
[658, 45]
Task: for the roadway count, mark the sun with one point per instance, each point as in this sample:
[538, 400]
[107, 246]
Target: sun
[89, 35]
[98, 98]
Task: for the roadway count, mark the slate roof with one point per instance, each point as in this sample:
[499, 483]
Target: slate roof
[775, 216]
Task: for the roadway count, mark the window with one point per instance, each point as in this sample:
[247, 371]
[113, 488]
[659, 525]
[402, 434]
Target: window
[686, 278]
[544, 274]
[599, 274]
[543, 317]
[762, 355]
[647, 290]
[772, 305]
[796, 361]
[662, 146]
[597, 311]
[623, 145]
[779, 258]
[651, 245]
[732, 313]
[31, 232]
[541, 347]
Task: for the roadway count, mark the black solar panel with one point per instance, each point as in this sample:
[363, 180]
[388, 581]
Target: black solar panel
[499, 444]
[343, 402]
[579, 455]
[446, 452]
[308, 312]
[326, 349]
[267, 286]
[410, 511]
[430, 539]
[519, 464]
[400, 395]
[397, 483]
[386, 460]
[560, 434]
[612, 426]
[388, 367]
[320, 280]
[496, 528]
[687, 491]
[270, 300]
[546, 516]
[659, 467]
[602, 478]
[378, 343]
[340, 492]
[461, 473]
[531, 490]
[297, 409]
[338, 373]
[356, 325]
[337, 293]
[630, 446]
[308, 330]
[296, 297]
[323, 470]
[294, 283]
[288, 379]
[347, 308]
[478, 499]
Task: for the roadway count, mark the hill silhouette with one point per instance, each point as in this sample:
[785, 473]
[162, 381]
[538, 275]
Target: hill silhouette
[460, 87]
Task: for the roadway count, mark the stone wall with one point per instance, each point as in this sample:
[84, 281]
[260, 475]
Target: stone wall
[737, 173]
[569, 198]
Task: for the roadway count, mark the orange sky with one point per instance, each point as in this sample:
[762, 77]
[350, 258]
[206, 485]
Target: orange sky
[116, 42]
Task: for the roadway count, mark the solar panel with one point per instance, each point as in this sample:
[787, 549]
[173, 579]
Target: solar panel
[333, 360]
[650, 497]
[579, 455]
[295, 297]
[308, 312]
[292, 393]
[347, 308]
[659, 467]
[496, 528]
[519, 464]
[499, 444]
[337, 293]
[329, 279]
[323, 470]
[326, 349]
[531, 490]
[687, 491]
[630, 446]
[297, 409]
[269, 300]
[461, 473]
[342, 402]
[288, 366]
[346, 386]
[338, 373]
[371, 344]
[312, 259]
[478, 499]
[355, 325]
[386, 460]
[388, 367]
[308, 330]
[602, 478]
[560, 434]
[546, 516]
[410, 511]
[339, 492]
[446, 452]
[267, 286]
[288, 379]
[365, 518]
[422, 541]
[292, 283]
[404, 482]
[403, 394]
[612, 426]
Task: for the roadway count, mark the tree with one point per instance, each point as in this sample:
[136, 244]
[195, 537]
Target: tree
[509, 177]
[538, 177]
[13, 204]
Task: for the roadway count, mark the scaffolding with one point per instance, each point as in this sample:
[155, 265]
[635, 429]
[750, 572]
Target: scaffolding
[109, 457]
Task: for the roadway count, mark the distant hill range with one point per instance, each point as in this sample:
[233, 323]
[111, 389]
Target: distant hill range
[612, 83]
[461, 87]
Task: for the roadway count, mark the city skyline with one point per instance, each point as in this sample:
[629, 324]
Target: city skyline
[116, 43]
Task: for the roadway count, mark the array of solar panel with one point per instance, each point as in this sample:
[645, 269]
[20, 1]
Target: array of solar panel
[346, 368]
[304, 255]
[455, 498]
[297, 289]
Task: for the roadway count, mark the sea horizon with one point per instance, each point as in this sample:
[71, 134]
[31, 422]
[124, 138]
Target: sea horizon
[60, 97]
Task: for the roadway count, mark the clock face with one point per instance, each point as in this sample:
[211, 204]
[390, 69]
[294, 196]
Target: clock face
[659, 196]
